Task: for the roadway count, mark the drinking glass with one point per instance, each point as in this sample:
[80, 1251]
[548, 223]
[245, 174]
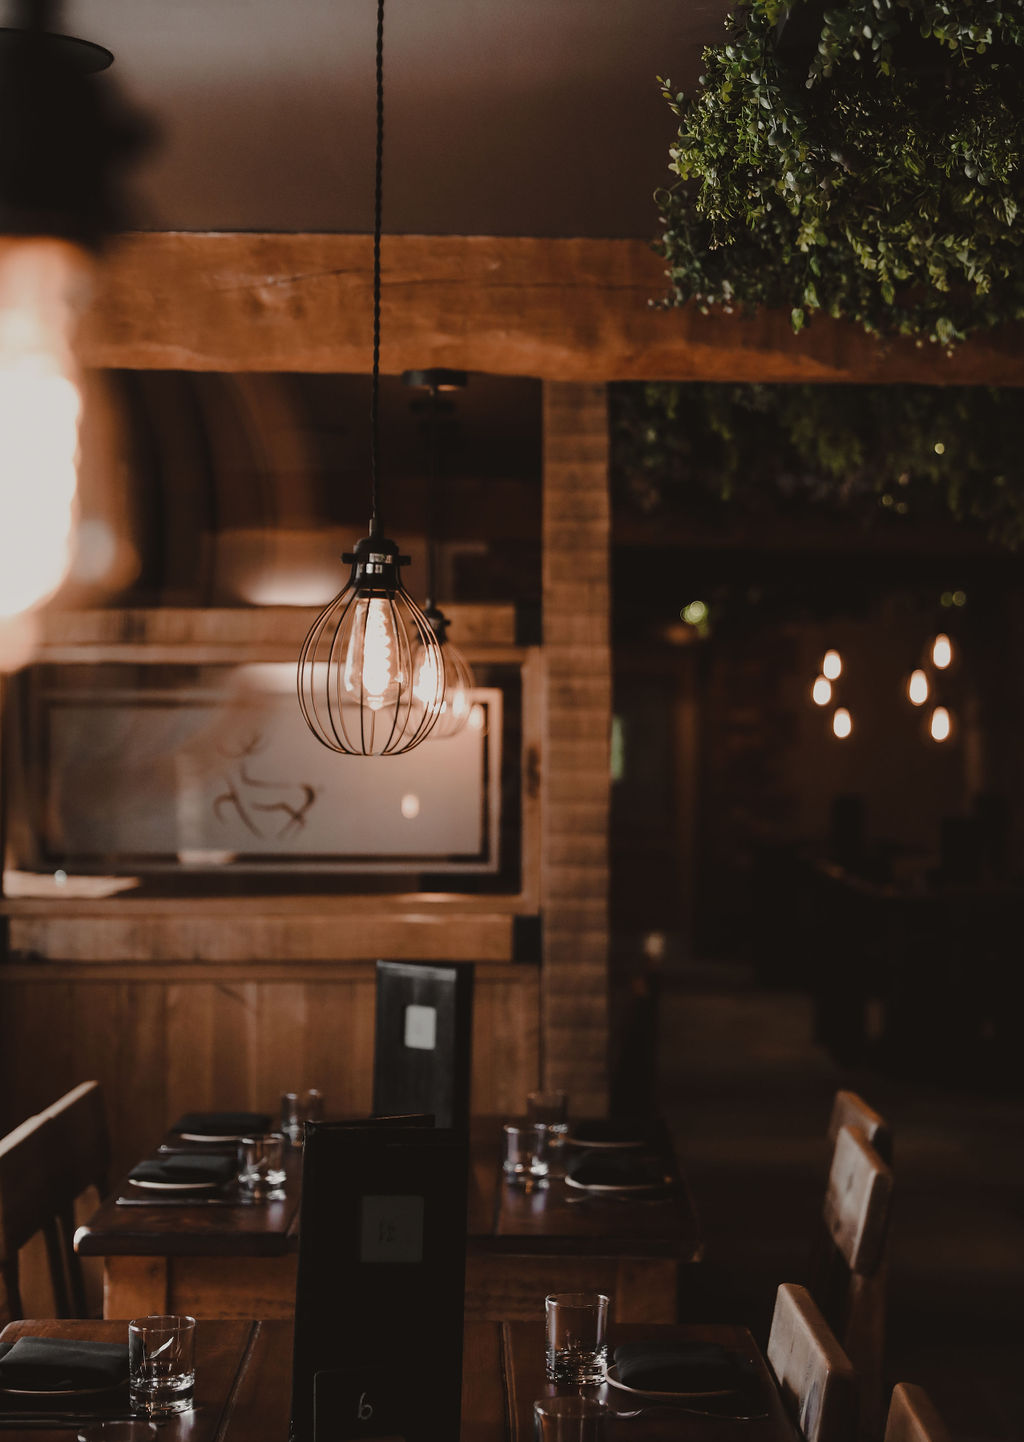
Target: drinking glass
[551, 1108]
[569, 1419]
[261, 1167]
[576, 1348]
[297, 1108]
[161, 1364]
[526, 1151]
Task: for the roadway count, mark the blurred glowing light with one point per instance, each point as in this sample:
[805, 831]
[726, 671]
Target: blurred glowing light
[695, 614]
[832, 665]
[917, 688]
[410, 806]
[821, 691]
[959, 598]
[43, 286]
[940, 449]
[942, 652]
[842, 723]
[96, 552]
[477, 718]
[940, 726]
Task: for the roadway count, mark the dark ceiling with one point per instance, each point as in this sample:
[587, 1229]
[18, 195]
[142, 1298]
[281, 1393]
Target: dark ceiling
[505, 117]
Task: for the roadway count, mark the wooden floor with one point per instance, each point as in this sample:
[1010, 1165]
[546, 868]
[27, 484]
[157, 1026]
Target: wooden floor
[748, 1093]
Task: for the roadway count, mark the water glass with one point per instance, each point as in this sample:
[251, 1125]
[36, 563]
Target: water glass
[577, 1351]
[569, 1419]
[261, 1171]
[161, 1364]
[297, 1108]
[551, 1108]
[526, 1151]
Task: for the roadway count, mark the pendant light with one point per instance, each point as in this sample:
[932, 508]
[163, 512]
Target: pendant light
[458, 677]
[371, 675]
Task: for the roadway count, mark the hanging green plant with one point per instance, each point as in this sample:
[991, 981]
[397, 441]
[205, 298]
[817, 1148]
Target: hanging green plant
[864, 159]
[867, 454]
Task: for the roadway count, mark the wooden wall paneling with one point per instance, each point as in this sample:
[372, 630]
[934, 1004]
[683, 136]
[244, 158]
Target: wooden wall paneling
[192, 1046]
[577, 754]
[161, 1045]
[506, 1042]
[561, 309]
[36, 1062]
[217, 936]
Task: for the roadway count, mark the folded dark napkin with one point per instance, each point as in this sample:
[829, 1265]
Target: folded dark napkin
[222, 1124]
[616, 1169]
[677, 1367]
[612, 1131]
[186, 1167]
[58, 1365]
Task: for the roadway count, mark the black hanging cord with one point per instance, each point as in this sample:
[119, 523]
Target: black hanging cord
[378, 194]
[432, 506]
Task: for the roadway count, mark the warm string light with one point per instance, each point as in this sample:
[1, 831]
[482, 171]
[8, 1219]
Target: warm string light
[941, 724]
[942, 652]
[917, 688]
[823, 693]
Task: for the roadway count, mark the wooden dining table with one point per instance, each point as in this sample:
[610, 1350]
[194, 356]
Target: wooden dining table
[216, 1260]
[243, 1385]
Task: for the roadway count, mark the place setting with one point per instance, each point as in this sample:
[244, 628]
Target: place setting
[109, 1391]
[666, 1377]
[589, 1160]
[228, 1159]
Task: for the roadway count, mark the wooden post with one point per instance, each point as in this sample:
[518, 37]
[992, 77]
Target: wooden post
[576, 757]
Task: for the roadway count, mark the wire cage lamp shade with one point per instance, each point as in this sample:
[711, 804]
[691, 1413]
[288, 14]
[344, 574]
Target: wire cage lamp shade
[371, 677]
[457, 702]
[457, 705]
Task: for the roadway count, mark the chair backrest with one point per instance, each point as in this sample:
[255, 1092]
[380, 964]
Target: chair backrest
[814, 1374]
[29, 1202]
[912, 1417]
[80, 1122]
[849, 1269]
[851, 1110]
[423, 1040]
[857, 1201]
[81, 1144]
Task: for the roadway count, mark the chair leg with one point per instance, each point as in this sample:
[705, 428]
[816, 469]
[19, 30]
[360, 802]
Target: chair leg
[58, 1275]
[12, 1289]
[72, 1263]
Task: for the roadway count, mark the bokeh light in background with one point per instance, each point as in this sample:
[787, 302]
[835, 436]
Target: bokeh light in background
[842, 723]
[917, 688]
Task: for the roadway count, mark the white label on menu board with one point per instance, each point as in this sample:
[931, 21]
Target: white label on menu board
[421, 1027]
[392, 1229]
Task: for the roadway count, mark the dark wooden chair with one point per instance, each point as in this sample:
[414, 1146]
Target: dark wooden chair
[912, 1417]
[81, 1145]
[30, 1197]
[849, 1267]
[423, 1041]
[851, 1110]
[813, 1372]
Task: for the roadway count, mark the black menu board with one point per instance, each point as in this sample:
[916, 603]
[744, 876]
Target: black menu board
[379, 1304]
[423, 1040]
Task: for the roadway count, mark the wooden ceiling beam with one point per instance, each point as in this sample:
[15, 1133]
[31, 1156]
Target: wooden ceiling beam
[558, 309]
